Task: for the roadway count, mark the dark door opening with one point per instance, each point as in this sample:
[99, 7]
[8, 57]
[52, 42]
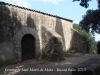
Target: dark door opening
[28, 47]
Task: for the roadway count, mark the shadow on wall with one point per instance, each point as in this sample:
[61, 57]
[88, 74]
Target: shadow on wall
[9, 25]
[30, 22]
[78, 42]
[59, 29]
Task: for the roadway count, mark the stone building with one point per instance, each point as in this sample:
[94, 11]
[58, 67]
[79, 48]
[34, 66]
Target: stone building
[28, 34]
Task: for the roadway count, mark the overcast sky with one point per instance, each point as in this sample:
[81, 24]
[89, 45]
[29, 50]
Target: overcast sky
[63, 8]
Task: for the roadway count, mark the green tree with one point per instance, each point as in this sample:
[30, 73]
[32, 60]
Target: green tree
[91, 21]
[83, 3]
[98, 46]
[91, 43]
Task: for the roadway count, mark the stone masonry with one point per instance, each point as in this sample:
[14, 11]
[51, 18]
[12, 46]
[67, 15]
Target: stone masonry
[15, 22]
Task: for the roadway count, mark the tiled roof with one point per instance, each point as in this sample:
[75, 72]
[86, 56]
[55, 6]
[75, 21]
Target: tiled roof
[36, 11]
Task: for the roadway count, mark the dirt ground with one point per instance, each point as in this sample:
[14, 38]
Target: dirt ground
[33, 67]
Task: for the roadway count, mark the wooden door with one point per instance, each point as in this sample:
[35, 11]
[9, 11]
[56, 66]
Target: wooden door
[28, 47]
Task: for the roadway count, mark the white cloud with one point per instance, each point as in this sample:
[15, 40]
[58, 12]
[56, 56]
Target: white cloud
[23, 3]
[52, 1]
[27, 3]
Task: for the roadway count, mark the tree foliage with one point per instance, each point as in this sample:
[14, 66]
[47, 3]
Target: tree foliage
[91, 21]
[98, 2]
[84, 3]
[98, 46]
[91, 43]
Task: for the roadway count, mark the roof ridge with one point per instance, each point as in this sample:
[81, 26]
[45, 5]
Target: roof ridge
[36, 11]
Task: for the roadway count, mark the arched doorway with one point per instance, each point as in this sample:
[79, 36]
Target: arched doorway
[28, 47]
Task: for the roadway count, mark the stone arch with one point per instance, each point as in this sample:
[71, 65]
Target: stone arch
[17, 41]
[28, 47]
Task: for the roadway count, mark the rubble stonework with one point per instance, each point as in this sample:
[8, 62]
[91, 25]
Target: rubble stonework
[78, 42]
[15, 22]
[51, 44]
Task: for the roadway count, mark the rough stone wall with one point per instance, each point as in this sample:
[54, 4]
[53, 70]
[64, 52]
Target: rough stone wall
[6, 36]
[51, 42]
[15, 22]
[35, 20]
[78, 42]
[63, 28]
[12, 21]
